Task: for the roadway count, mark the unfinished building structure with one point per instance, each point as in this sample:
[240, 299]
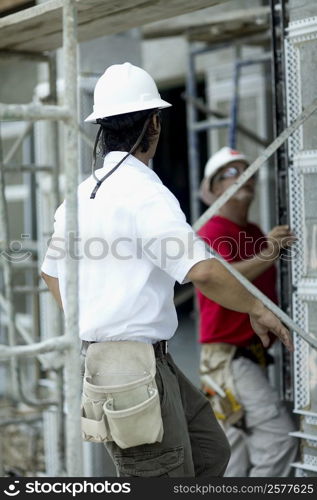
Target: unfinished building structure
[40, 166]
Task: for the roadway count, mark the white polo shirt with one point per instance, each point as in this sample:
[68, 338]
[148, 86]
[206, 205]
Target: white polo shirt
[133, 243]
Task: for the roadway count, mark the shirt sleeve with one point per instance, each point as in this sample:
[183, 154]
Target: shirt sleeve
[54, 250]
[167, 240]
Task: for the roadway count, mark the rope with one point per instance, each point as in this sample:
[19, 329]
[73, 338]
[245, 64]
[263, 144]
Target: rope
[134, 147]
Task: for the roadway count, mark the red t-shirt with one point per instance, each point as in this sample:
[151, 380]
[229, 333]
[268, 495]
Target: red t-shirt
[233, 243]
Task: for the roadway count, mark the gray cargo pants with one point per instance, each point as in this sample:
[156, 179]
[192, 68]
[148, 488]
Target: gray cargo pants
[194, 444]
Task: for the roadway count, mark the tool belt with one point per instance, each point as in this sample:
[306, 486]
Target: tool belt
[255, 352]
[217, 382]
[120, 400]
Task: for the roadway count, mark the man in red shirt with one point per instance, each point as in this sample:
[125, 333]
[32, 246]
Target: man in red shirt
[233, 362]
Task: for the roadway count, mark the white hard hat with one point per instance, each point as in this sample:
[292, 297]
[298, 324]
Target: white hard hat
[124, 88]
[221, 158]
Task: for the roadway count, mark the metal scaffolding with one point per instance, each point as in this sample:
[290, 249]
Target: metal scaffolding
[69, 342]
[11, 46]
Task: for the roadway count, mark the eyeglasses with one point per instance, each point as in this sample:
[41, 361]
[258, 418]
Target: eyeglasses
[232, 172]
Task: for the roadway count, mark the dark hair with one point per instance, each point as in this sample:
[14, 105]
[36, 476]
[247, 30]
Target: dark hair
[120, 132]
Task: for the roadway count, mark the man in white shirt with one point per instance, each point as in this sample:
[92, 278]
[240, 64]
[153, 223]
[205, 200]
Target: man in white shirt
[133, 244]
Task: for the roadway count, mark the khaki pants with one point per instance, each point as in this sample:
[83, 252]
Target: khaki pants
[193, 445]
[265, 449]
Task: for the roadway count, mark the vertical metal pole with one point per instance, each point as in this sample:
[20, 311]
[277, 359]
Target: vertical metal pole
[7, 266]
[284, 375]
[232, 132]
[54, 129]
[53, 418]
[8, 280]
[193, 153]
[74, 459]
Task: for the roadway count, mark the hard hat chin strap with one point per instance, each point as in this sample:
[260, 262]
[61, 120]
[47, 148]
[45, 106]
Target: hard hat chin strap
[134, 147]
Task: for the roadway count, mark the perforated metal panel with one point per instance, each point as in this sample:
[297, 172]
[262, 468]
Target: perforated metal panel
[303, 218]
[293, 95]
[300, 473]
[297, 221]
[311, 420]
[310, 460]
[301, 376]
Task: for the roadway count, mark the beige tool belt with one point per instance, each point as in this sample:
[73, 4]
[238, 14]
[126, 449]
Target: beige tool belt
[217, 382]
[120, 400]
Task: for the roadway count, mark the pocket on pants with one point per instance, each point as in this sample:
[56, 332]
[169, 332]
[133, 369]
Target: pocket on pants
[151, 463]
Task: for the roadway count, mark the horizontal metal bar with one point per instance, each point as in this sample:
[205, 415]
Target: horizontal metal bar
[25, 334]
[53, 344]
[306, 413]
[209, 124]
[210, 48]
[201, 106]
[21, 54]
[33, 111]
[23, 419]
[303, 435]
[299, 465]
[266, 57]
[25, 240]
[14, 168]
[29, 289]
[25, 264]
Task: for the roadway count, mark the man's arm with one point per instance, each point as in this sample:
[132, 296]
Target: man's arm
[53, 286]
[218, 284]
[280, 237]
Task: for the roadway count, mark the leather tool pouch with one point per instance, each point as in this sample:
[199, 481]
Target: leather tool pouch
[215, 364]
[120, 400]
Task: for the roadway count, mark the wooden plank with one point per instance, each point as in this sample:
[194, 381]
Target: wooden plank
[255, 35]
[12, 4]
[39, 28]
[205, 20]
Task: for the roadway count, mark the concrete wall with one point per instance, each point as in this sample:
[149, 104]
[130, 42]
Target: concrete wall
[17, 80]
[96, 55]
[166, 58]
